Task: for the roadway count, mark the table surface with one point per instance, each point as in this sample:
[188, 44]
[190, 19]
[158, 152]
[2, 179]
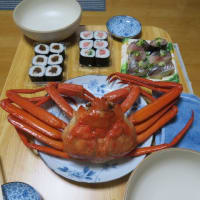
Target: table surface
[19, 163]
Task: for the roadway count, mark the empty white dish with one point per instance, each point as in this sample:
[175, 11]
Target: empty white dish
[48, 20]
[168, 174]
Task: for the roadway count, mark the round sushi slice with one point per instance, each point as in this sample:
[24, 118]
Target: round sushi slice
[86, 44]
[57, 48]
[102, 57]
[37, 73]
[54, 73]
[56, 59]
[87, 57]
[100, 35]
[41, 49]
[100, 44]
[40, 60]
[86, 35]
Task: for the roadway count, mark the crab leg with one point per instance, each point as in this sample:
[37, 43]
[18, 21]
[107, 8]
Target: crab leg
[59, 100]
[75, 90]
[36, 110]
[157, 125]
[29, 119]
[149, 122]
[155, 106]
[39, 136]
[138, 80]
[178, 137]
[44, 149]
[131, 98]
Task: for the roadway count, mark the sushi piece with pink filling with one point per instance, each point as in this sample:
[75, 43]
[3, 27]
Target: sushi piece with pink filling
[88, 44]
[102, 57]
[86, 35]
[100, 44]
[100, 35]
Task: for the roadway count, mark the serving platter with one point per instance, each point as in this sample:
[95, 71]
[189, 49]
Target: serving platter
[83, 171]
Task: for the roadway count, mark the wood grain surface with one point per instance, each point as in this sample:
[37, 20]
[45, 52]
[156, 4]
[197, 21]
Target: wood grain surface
[21, 164]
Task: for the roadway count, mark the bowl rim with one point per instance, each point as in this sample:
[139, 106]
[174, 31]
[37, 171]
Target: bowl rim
[172, 149]
[46, 32]
[123, 16]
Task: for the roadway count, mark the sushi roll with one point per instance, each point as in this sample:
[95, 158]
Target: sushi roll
[86, 35]
[54, 73]
[86, 44]
[37, 73]
[100, 35]
[87, 57]
[57, 48]
[40, 60]
[102, 57]
[56, 59]
[41, 49]
[100, 44]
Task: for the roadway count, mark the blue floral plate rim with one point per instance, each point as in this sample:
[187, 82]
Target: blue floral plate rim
[82, 171]
[123, 16]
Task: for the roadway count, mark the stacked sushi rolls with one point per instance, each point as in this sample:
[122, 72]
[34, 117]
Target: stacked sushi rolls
[48, 62]
[94, 49]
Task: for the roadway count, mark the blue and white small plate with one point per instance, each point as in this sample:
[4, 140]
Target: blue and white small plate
[123, 26]
[19, 191]
[82, 171]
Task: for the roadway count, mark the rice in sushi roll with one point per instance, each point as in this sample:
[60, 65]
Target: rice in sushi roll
[102, 57]
[56, 59]
[100, 44]
[86, 35]
[37, 73]
[40, 60]
[54, 73]
[57, 48]
[100, 35]
[41, 49]
[87, 57]
[88, 44]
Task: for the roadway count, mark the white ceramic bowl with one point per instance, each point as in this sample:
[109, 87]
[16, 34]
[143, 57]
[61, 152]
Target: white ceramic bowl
[48, 20]
[169, 174]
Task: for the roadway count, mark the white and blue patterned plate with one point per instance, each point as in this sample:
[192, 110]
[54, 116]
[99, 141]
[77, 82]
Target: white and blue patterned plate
[82, 171]
[19, 191]
[123, 26]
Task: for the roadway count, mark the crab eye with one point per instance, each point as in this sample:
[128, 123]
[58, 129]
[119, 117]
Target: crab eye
[88, 104]
[110, 105]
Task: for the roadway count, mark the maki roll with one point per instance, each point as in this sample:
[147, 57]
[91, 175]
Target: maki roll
[99, 44]
[100, 35]
[41, 49]
[40, 60]
[86, 44]
[54, 73]
[102, 57]
[87, 57]
[57, 48]
[86, 35]
[56, 59]
[37, 73]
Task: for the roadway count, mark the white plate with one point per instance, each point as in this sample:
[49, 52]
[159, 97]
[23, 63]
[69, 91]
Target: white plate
[171, 174]
[82, 171]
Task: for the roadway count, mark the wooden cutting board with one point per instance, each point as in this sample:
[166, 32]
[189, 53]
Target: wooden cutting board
[20, 164]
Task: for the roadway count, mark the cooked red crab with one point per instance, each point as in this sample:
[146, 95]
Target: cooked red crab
[99, 131]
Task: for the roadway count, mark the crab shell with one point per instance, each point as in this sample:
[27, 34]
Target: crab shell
[99, 133]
